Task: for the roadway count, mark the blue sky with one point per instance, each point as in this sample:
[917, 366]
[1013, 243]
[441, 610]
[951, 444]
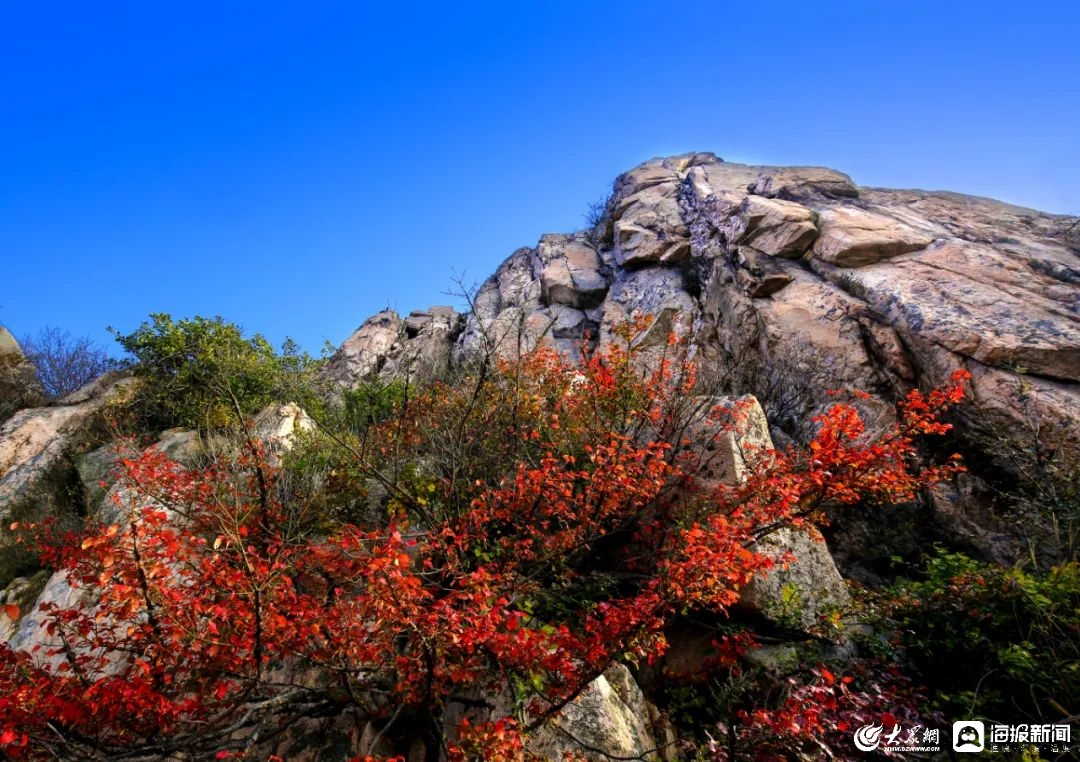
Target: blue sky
[296, 167]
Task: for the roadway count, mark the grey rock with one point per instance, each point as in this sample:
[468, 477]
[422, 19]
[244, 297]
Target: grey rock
[21, 592]
[775, 227]
[759, 275]
[659, 292]
[97, 472]
[571, 272]
[802, 587]
[19, 383]
[798, 183]
[648, 225]
[362, 354]
[279, 425]
[852, 237]
[797, 593]
[36, 440]
[732, 433]
[609, 715]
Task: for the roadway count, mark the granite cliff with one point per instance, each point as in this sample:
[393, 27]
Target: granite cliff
[791, 282]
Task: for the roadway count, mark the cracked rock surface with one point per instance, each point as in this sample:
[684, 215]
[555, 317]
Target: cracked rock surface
[791, 281]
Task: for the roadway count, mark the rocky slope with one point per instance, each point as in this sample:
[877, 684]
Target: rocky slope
[19, 384]
[792, 281]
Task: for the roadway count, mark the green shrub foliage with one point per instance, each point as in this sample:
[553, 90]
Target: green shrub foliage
[204, 373]
[993, 641]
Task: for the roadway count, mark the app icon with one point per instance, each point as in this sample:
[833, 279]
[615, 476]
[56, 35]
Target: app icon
[968, 735]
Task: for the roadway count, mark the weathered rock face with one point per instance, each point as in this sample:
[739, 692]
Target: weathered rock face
[279, 425]
[385, 346]
[608, 719]
[551, 294]
[791, 281]
[571, 272]
[801, 588]
[851, 237]
[897, 289]
[796, 594]
[35, 440]
[366, 350]
[19, 384]
[103, 497]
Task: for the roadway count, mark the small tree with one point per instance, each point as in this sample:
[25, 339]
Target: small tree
[204, 373]
[543, 519]
[65, 363]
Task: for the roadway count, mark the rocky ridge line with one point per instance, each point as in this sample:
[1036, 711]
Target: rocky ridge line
[791, 281]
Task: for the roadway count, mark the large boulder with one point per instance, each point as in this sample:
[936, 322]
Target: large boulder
[774, 227]
[798, 183]
[364, 352]
[732, 433]
[805, 584]
[19, 383]
[853, 237]
[572, 272]
[35, 441]
[278, 425]
[609, 719]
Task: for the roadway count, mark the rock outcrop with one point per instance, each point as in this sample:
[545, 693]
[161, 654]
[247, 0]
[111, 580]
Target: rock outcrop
[792, 281]
[415, 348]
[19, 383]
[610, 718]
[35, 442]
[106, 497]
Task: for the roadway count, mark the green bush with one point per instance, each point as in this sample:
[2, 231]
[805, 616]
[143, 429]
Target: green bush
[993, 641]
[204, 373]
[372, 402]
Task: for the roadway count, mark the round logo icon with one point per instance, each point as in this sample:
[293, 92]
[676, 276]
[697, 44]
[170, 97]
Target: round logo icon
[868, 737]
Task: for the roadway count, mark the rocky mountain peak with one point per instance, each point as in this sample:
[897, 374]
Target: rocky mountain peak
[792, 281]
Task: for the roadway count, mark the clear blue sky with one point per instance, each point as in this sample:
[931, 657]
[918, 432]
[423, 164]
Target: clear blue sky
[295, 167]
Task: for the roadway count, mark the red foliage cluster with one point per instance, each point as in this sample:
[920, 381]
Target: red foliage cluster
[819, 716]
[211, 616]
